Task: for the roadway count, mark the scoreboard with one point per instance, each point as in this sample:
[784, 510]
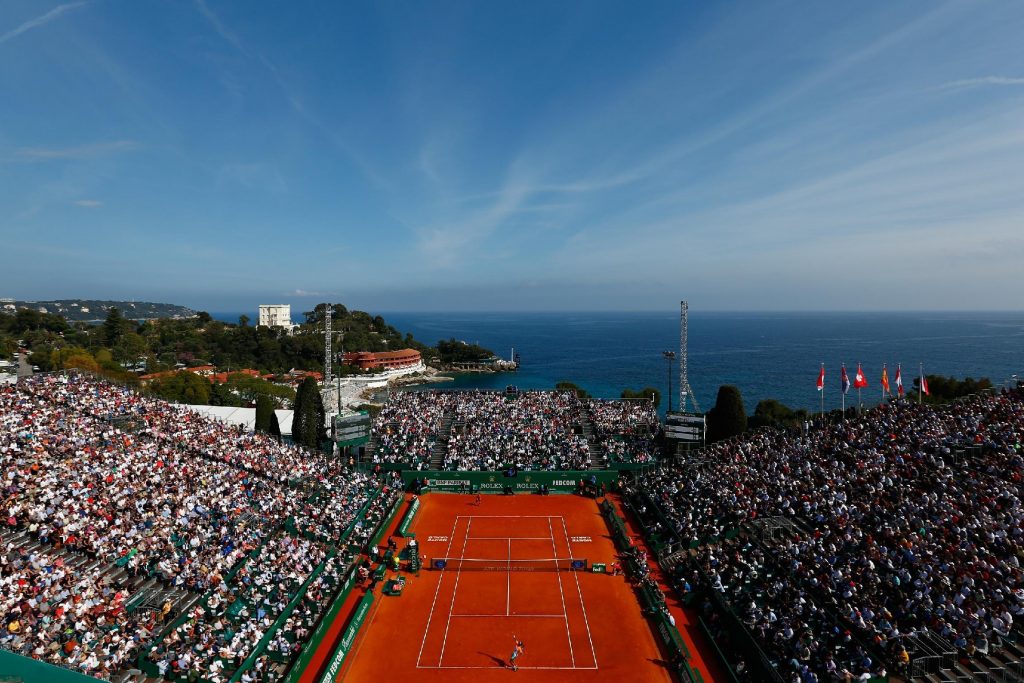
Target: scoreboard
[684, 427]
[352, 429]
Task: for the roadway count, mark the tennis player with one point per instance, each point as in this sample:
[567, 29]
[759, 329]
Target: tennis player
[517, 650]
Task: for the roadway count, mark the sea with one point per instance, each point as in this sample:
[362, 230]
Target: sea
[767, 355]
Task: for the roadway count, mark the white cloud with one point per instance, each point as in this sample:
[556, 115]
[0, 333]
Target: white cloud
[984, 80]
[75, 152]
[89, 203]
[40, 20]
[303, 292]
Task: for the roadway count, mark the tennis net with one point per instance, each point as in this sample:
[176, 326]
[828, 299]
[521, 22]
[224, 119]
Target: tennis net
[481, 564]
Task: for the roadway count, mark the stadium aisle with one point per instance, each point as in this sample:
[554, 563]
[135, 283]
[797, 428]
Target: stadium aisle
[686, 618]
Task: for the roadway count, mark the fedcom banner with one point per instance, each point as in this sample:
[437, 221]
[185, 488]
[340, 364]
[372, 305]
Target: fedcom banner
[497, 481]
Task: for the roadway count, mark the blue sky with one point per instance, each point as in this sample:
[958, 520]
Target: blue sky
[524, 156]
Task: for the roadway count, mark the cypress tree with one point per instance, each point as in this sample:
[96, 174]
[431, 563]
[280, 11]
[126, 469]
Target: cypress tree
[308, 422]
[728, 417]
[298, 414]
[264, 413]
[275, 426]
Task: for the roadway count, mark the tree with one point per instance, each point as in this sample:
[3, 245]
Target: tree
[221, 395]
[569, 386]
[646, 392]
[275, 426]
[243, 320]
[309, 415]
[114, 326]
[728, 417]
[264, 413]
[183, 387]
[771, 413]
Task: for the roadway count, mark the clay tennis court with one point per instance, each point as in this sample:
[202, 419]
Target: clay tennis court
[507, 570]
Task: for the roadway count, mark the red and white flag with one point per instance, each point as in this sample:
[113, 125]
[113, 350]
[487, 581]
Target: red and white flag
[821, 378]
[859, 380]
[924, 384]
[899, 380]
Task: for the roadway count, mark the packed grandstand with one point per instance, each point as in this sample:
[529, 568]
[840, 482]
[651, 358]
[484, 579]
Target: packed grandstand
[861, 547]
[114, 533]
[140, 534]
[532, 430]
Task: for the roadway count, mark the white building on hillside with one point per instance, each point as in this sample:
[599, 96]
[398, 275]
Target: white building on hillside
[276, 315]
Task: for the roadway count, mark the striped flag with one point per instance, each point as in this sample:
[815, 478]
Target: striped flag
[846, 381]
[885, 380]
[924, 384]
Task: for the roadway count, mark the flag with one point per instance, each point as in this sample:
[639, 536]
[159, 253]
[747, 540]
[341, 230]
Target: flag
[924, 385]
[821, 378]
[859, 380]
[846, 381]
[885, 380]
[899, 380]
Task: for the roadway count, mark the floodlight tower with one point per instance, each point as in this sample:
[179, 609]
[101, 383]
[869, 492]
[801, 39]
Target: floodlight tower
[328, 313]
[684, 380]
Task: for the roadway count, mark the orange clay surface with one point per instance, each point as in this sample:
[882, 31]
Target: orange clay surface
[457, 625]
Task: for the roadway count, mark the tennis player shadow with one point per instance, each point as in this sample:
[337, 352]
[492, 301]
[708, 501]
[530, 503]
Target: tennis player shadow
[497, 660]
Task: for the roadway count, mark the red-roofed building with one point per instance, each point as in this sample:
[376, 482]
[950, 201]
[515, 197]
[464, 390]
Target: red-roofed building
[388, 360]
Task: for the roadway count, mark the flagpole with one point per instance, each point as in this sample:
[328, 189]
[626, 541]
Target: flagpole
[921, 383]
[843, 374]
[860, 401]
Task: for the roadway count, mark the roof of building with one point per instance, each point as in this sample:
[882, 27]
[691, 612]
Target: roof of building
[386, 355]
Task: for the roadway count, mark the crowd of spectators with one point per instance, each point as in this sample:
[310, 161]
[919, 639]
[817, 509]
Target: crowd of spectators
[409, 425]
[533, 430]
[626, 429]
[907, 529]
[162, 493]
[220, 634]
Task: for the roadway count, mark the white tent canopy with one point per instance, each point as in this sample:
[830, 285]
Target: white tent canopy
[245, 417]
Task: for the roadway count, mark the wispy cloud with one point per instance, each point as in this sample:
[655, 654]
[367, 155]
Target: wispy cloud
[75, 152]
[303, 292]
[221, 29]
[89, 203]
[40, 20]
[983, 80]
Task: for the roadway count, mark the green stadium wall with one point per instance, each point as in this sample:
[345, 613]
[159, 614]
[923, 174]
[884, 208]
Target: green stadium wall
[15, 668]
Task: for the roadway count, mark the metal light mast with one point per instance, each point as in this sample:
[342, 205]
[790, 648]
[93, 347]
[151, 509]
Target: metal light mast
[684, 381]
[328, 313]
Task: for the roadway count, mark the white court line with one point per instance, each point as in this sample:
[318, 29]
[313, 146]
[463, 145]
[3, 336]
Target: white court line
[508, 582]
[430, 616]
[565, 614]
[535, 668]
[455, 591]
[583, 606]
[501, 616]
[509, 538]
